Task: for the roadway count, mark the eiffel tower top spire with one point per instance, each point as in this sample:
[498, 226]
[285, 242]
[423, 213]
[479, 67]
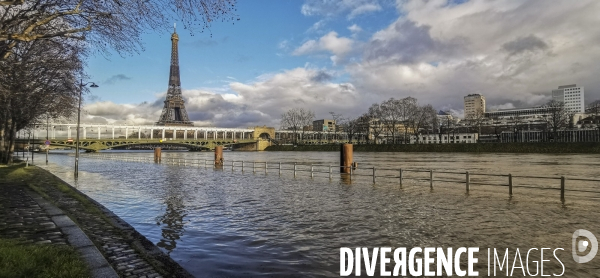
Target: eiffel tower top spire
[174, 111]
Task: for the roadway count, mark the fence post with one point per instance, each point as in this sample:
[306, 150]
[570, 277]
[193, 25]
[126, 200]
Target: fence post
[280, 168]
[562, 188]
[510, 185]
[294, 169]
[468, 182]
[400, 176]
[373, 174]
[431, 179]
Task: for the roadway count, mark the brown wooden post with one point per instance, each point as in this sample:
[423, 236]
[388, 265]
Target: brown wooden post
[346, 158]
[218, 155]
[157, 155]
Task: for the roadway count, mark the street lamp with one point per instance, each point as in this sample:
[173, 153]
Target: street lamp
[92, 85]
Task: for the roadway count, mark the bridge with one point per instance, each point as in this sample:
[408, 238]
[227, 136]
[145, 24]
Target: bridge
[102, 137]
[94, 137]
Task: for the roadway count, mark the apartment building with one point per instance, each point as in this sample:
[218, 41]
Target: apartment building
[474, 104]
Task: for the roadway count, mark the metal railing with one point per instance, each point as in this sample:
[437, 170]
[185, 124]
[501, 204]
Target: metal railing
[400, 174]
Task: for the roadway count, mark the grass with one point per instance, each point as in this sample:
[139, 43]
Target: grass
[35, 260]
[21, 259]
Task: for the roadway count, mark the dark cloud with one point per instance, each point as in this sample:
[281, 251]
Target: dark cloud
[321, 76]
[200, 115]
[529, 43]
[407, 43]
[116, 78]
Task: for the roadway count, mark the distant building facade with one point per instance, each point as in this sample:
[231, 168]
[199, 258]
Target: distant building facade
[444, 138]
[324, 125]
[474, 104]
[572, 96]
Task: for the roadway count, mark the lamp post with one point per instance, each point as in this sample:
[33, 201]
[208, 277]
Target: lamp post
[93, 85]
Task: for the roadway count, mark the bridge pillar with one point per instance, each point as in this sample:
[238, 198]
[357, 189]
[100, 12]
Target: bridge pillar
[215, 134]
[163, 133]
[185, 134]
[126, 133]
[139, 133]
[113, 132]
[151, 133]
[174, 134]
[195, 134]
[219, 156]
[84, 133]
[205, 135]
[99, 133]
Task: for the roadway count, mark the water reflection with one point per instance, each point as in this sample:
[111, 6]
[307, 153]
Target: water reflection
[172, 221]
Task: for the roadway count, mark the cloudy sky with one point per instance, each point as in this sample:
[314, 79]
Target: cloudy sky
[343, 55]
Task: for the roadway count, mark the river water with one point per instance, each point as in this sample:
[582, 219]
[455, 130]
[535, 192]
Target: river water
[224, 222]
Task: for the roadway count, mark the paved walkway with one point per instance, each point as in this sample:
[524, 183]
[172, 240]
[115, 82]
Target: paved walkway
[28, 216]
[111, 247]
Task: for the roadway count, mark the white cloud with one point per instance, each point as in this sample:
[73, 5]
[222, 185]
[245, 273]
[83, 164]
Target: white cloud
[339, 46]
[511, 51]
[329, 8]
[354, 28]
[363, 9]
[260, 102]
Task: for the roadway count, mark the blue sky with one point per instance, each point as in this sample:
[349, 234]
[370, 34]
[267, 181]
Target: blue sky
[342, 56]
[240, 50]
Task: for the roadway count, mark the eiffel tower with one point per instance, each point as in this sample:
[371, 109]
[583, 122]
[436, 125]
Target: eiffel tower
[173, 113]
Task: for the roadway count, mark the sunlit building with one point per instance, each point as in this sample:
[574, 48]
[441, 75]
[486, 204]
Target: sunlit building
[572, 96]
[474, 105]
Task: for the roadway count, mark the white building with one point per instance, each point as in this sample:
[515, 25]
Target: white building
[444, 138]
[474, 105]
[572, 96]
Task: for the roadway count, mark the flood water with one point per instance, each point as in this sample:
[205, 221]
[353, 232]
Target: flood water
[224, 222]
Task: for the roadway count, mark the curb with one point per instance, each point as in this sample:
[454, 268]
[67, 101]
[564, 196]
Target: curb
[96, 262]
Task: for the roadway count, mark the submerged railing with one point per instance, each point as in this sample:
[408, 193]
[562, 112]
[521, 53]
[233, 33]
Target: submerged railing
[400, 174]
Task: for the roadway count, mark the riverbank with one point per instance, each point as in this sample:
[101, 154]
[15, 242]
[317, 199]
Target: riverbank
[120, 246]
[470, 148]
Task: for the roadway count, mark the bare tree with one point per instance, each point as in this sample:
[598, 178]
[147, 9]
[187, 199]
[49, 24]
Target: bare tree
[558, 117]
[351, 127]
[115, 24]
[422, 117]
[362, 126]
[476, 119]
[393, 112]
[295, 119]
[41, 79]
[375, 116]
[409, 108]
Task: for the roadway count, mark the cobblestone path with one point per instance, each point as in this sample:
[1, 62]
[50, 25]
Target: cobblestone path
[22, 217]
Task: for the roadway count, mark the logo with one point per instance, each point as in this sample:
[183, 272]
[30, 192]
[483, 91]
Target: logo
[582, 246]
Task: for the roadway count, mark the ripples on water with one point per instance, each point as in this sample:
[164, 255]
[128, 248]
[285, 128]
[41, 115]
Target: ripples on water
[224, 223]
